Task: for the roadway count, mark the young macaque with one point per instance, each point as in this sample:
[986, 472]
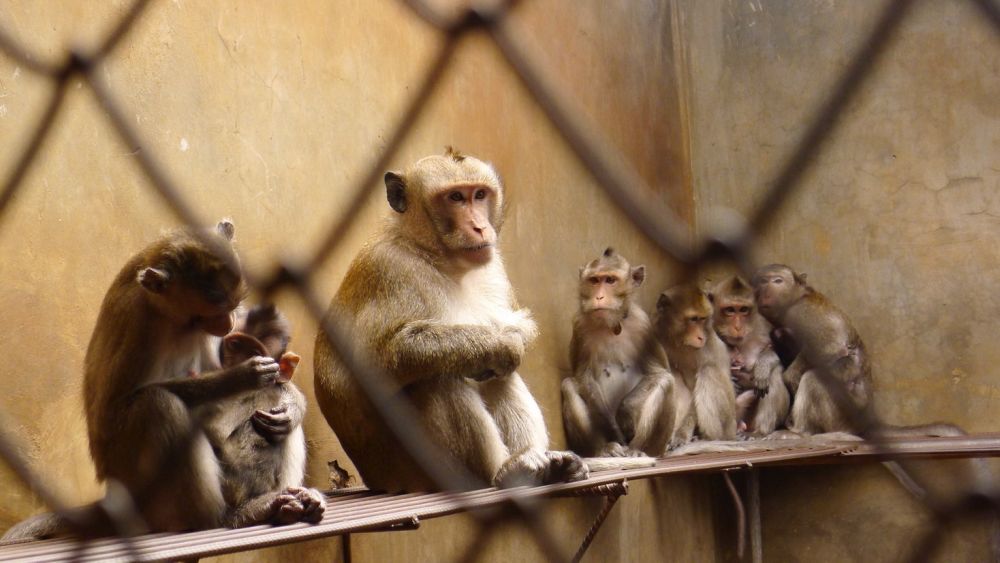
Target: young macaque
[428, 302]
[762, 400]
[619, 400]
[699, 359]
[257, 434]
[828, 342]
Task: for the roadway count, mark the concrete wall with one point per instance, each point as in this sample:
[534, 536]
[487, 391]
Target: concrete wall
[269, 113]
[897, 222]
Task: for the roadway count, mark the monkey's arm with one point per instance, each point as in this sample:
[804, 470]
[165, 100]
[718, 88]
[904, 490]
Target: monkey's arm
[425, 348]
[793, 374]
[254, 373]
[767, 363]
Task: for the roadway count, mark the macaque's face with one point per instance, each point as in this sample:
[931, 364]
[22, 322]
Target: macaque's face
[733, 318]
[606, 287]
[687, 312]
[774, 290]
[464, 221]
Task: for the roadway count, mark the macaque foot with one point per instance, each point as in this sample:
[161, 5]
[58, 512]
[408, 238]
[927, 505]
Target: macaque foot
[535, 467]
[298, 504]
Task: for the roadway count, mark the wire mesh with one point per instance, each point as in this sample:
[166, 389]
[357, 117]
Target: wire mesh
[621, 184]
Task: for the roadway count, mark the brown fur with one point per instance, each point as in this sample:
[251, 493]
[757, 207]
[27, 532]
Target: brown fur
[828, 341]
[619, 400]
[429, 304]
[699, 361]
[761, 396]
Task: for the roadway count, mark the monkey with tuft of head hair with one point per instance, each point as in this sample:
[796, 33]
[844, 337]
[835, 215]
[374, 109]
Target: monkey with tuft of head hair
[430, 304]
[619, 400]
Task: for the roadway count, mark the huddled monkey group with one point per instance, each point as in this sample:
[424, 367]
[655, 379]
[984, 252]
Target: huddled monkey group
[190, 406]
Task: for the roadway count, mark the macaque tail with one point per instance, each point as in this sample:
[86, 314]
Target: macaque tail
[38, 527]
[606, 463]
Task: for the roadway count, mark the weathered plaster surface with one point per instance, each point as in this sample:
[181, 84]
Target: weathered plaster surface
[898, 221]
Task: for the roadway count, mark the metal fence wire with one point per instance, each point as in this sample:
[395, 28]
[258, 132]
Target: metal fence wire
[621, 184]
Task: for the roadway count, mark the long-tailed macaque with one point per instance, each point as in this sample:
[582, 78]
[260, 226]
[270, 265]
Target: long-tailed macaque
[698, 357]
[429, 303]
[828, 342]
[257, 434]
[619, 400]
[762, 399]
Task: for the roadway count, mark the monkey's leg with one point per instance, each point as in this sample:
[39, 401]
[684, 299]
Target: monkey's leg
[648, 411]
[158, 430]
[793, 375]
[522, 428]
[684, 416]
[455, 417]
[814, 410]
[715, 405]
[581, 429]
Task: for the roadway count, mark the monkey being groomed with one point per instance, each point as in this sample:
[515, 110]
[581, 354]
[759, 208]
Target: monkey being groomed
[429, 302]
[619, 400]
[159, 326]
[257, 434]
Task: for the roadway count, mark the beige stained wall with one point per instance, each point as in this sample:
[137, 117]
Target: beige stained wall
[269, 113]
[897, 220]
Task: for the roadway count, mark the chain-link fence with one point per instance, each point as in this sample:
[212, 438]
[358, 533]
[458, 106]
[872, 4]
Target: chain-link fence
[622, 184]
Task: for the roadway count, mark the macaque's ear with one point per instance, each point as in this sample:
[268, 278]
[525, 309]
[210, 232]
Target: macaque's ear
[154, 280]
[395, 191]
[638, 275]
[799, 278]
[663, 303]
[226, 229]
[579, 273]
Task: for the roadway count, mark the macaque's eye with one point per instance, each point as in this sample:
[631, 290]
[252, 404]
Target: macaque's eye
[779, 281]
[594, 280]
[611, 280]
[215, 296]
[729, 310]
[455, 196]
[480, 194]
[744, 310]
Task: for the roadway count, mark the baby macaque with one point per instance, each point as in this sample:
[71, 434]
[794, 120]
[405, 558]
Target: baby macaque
[619, 400]
[258, 434]
[762, 400]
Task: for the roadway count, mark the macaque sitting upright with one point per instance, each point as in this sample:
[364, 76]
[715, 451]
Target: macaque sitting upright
[619, 400]
[762, 400]
[258, 434]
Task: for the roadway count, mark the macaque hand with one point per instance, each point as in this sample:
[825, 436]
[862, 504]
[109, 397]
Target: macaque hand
[509, 352]
[262, 371]
[273, 424]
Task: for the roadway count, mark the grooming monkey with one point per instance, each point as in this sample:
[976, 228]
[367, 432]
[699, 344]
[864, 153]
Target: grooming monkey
[827, 340]
[762, 399]
[430, 304]
[160, 322]
[699, 359]
[257, 434]
[619, 400]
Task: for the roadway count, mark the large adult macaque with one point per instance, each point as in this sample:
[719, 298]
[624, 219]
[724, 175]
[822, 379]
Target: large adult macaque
[698, 358]
[828, 342]
[430, 304]
[619, 400]
[762, 399]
